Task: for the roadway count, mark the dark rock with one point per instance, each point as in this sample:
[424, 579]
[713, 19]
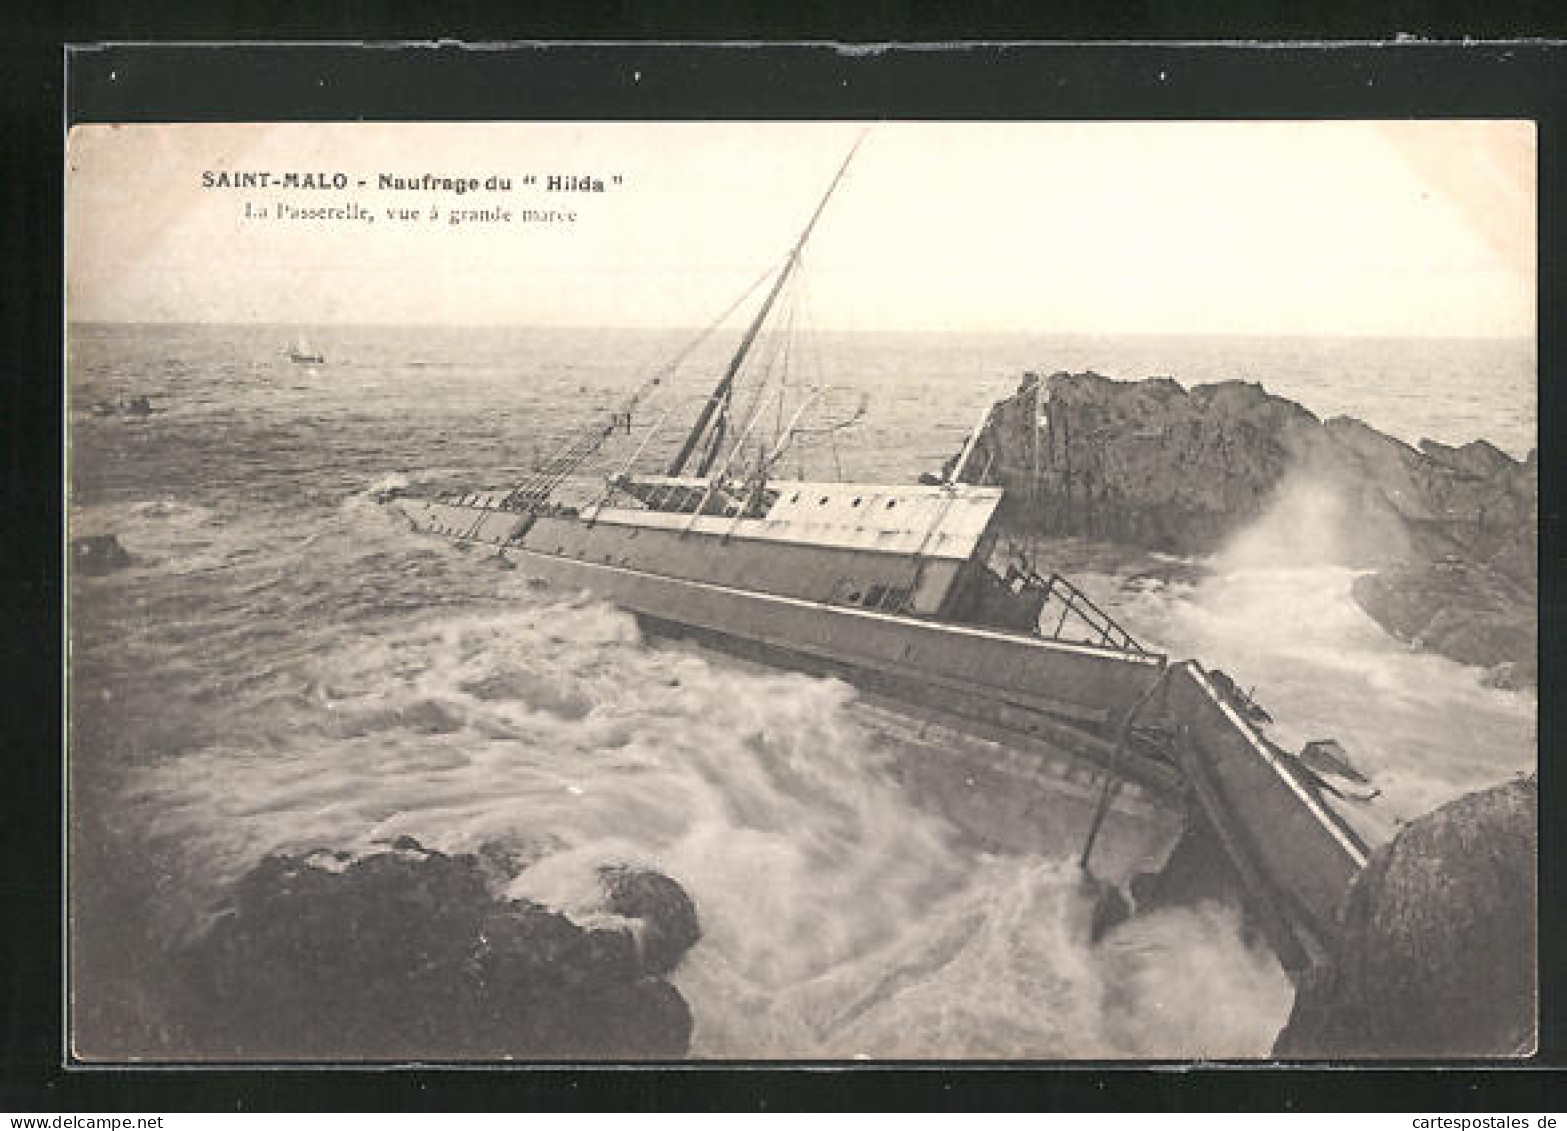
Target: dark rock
[1436, 952]
[94, 555]
[1151, 464]
[669, 922]
[407, 954]
[1513, 676]
[1477, 458]
[1470, 613]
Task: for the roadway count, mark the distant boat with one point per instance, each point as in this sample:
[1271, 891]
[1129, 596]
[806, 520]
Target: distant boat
[301, 354]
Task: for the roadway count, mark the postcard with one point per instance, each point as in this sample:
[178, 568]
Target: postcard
[600, 591]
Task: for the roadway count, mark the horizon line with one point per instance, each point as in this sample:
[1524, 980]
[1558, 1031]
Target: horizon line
[295, 326]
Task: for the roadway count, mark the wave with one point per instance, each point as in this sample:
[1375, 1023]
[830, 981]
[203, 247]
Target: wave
[411, 689]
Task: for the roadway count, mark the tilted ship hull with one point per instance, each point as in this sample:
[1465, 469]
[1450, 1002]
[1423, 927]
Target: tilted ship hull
[1032, 717]
[827, 582]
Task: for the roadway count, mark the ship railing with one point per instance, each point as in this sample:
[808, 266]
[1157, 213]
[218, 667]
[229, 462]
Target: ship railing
[617, 483]
[533, 493]
[1075, 608]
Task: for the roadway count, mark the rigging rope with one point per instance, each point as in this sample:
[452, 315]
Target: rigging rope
[535, 490]
[581, 446]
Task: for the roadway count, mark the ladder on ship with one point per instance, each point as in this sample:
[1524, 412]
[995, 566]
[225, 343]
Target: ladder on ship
[1103, 629]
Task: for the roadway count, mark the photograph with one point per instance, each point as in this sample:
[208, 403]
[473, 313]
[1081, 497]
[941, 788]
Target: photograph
[796, 591]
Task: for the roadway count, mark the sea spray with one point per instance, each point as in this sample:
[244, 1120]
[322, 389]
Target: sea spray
[1190, 979]
[839, 920]
[285, 665]
[1308, 522]
[1273, 608]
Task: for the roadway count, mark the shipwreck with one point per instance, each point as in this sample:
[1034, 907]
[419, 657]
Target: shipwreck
[957, 645]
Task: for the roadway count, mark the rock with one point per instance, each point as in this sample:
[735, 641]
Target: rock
[1477, 458]
[670, 926]
[406, 954]
[1436, 954]
[94, 555]
[1513, 676]
[1141, 462]
[1151, 464]
[1470, 613]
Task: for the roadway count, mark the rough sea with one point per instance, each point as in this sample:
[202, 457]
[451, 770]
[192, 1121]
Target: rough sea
[285, 666]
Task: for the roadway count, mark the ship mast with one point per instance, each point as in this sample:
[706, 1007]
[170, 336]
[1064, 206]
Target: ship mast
[724, 389]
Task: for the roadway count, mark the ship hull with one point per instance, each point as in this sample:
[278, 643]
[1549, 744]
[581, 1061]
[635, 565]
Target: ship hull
[1041, 722]
[1003, 734]
[1021, 751]
[1024, 785]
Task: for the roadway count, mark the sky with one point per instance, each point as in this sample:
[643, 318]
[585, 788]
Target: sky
[1334, 228]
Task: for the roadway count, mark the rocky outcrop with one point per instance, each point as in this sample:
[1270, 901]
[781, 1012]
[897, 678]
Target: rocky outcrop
[1145, 463]
[1436, 953]
[1152, 464]
[661, 907]
[94, 555]
[1460, 610]
[407, 954]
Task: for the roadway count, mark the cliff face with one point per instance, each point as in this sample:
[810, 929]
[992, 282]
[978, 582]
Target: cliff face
[1437, 951]
[1152, 464]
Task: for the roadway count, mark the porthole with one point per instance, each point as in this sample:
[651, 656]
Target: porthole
[891, 503]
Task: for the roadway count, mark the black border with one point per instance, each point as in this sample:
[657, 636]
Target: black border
[295, 82]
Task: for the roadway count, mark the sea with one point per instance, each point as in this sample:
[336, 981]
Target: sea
[285, 666]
